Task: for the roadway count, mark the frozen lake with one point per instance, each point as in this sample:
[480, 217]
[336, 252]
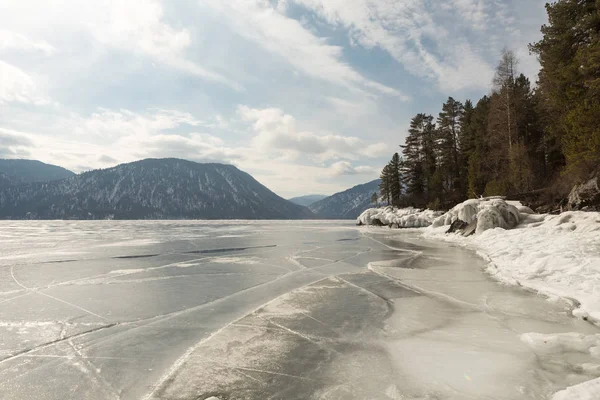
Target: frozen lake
[264, 310]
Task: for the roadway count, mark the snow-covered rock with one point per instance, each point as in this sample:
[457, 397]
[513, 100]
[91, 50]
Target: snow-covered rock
[490, 213]
[398, 217]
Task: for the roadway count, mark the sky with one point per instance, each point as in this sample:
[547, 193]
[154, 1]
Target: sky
[308, 96]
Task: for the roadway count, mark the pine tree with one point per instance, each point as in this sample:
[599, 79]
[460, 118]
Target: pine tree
[448, 149]
[476, 131]
[385, 185]
[418, 164]
[395, 184]
[569, 80]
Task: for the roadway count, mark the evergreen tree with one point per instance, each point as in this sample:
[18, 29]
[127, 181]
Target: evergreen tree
[569, 80]
[475, 150]
[448, 149]
[418, 160]
[395, 184]
[385, 185]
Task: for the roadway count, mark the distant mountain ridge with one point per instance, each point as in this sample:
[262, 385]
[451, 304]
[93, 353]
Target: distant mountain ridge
[150, 189]
[308, 199]
[19, 170]
[348, 204]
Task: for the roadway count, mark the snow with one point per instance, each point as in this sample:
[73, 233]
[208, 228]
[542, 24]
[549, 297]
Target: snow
[403, 217]
[490, 213]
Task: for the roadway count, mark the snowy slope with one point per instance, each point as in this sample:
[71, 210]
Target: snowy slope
[307, 200]
[348, 204]
[32, 171]
[150, 189]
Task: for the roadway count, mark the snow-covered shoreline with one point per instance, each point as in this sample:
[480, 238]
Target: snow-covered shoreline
[557, 256]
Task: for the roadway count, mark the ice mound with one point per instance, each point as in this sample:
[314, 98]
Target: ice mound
[487, 213]
[398, 217]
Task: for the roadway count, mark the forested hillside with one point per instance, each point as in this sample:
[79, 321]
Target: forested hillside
[521, 138]
[165, 188]
[18, 170]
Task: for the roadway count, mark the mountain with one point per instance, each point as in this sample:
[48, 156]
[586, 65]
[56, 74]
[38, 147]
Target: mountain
[6, 180]
[348, 204]
[32, 171]
[150, 189]
[307, 200]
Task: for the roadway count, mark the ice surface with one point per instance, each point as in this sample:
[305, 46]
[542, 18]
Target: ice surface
[478, 325]
[252, 310]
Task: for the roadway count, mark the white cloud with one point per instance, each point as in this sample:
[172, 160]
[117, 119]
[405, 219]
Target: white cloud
[137, 26]
[346, 168]
[13, 144]
[264, 24]
[354, 108]
[430, 39]
[17, 86]
[196, 147]
[108, 137]
[10, 40]
[107, 124]
[278, 132]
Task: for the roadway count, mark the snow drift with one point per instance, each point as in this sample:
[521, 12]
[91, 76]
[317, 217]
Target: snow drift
[399, 217]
